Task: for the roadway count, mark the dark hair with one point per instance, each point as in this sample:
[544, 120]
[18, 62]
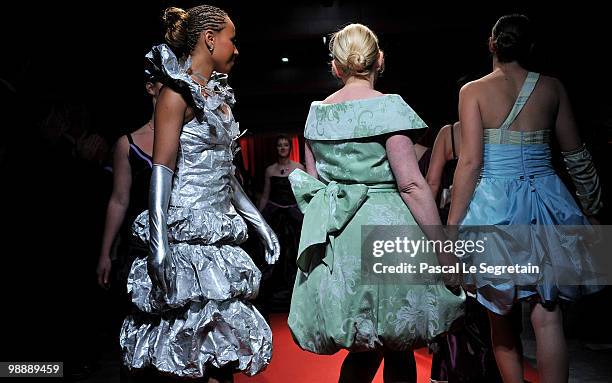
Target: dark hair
[151, 76]
[284, 137]
[512, 38]
[183, 28]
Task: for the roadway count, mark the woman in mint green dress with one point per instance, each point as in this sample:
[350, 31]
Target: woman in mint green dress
[362, 170]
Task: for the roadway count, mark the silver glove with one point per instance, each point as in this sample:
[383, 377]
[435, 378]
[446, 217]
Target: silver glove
[249, 212]
[159, 199]
[580, 167]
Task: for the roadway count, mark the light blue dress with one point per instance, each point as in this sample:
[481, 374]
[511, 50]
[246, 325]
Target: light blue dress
[518, 186]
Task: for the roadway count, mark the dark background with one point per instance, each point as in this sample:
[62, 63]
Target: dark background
[91, 54]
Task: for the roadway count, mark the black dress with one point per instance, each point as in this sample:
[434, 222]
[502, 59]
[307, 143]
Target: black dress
[285, 218]
[128, 248]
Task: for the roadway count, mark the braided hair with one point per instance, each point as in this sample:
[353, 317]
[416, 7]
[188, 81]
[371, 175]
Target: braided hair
[183, 28]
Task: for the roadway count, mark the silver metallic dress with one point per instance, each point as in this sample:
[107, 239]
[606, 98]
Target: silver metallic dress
[204, 320]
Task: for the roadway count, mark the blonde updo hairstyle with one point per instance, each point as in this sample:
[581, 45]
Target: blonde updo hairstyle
[183, 27]
[355, 51]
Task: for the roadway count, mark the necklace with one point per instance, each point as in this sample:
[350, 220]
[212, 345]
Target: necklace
[284, 169]
[199, 76]
[150, 125]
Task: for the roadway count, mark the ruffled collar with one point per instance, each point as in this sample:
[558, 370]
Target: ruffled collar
[162, 63]
[219, 91]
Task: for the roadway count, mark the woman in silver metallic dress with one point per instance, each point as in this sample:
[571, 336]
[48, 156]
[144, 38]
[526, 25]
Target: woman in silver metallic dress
[192, 318]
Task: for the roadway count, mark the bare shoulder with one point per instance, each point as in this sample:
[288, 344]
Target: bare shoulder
[444, 130]
[269, 170]
[472, 88]
[169, 97]
[122, 144]
[549, 80]
[443, 135]
[549, 90]
[332, 98]
[297, 165]
[143, 130]
[551, 84]
[122, 148]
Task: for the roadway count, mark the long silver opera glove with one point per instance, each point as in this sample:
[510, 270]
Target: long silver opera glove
[159, 199]
[580, 167]
[249, 212]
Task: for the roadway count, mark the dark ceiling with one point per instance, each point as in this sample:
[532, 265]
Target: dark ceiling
[93, 53]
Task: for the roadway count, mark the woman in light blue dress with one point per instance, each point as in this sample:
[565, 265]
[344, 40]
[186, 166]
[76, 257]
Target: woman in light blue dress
[505, 177]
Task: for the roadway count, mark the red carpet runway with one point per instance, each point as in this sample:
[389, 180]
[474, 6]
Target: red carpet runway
[292, 365]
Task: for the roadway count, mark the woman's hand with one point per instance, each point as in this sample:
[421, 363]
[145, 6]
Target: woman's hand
[249, 212]
[272, 246]
[452, 280]
[103, 271]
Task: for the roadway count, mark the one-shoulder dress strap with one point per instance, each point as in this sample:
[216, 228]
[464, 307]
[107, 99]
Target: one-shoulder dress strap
[526, 91]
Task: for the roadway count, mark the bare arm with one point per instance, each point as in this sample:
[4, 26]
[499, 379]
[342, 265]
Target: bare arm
[416, 194]
[266, 191]
[170, 113]
[577, 159]
[116, 208]
[437, 161]
[311, 166]
[566, 129]
[413, 188]
[470, 160]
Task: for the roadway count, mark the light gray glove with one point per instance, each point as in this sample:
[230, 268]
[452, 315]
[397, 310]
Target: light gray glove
[159, 199]
[580, 167]
[249, 212]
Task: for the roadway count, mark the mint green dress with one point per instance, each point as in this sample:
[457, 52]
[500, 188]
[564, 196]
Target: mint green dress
[331, 309]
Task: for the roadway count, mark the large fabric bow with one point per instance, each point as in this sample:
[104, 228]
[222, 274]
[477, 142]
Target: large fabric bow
[327, 209]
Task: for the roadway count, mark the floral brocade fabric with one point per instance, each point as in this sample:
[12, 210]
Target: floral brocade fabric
[331, 308]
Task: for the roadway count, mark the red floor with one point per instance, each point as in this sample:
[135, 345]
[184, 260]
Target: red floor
[291, 364]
